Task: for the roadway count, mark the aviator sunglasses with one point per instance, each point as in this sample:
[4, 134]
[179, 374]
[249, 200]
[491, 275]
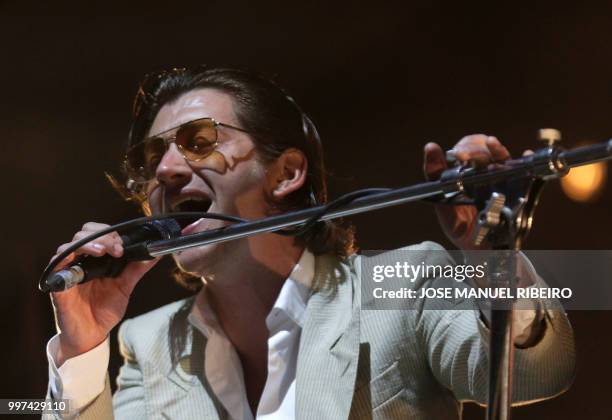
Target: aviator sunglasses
[195, 140]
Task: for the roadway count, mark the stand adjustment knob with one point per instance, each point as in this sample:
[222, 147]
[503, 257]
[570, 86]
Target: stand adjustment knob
[489, 217]
[549, 135]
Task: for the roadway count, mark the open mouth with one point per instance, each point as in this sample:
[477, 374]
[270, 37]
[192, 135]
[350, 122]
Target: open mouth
[190, 204]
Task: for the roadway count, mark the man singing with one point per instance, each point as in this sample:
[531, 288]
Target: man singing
[275, 328]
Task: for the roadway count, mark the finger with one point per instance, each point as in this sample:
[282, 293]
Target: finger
[434, 161]
[112, 244]
[94, 227]
[477, 153]
[499, 152]
[481, 149]
[473, 139]
[61, 249]
[62, 264]
[528, 152]
[93, 249]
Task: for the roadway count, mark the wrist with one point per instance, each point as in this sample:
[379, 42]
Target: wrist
[69, 348]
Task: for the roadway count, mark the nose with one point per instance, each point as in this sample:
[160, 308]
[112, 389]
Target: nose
[173, 171]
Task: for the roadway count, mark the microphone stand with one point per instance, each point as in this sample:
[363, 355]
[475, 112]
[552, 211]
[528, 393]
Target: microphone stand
[546, 163]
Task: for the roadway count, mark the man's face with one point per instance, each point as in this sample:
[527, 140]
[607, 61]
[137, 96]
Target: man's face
[230, 181]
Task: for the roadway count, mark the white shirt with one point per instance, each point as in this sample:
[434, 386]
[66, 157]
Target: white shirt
[81, 378]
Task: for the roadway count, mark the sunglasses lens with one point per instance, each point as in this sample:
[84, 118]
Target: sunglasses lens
[143, 158]
[197, 140]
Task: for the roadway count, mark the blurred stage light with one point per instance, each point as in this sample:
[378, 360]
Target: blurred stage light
[585, 183]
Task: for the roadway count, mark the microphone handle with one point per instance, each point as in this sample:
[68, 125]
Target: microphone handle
[87, 268]
[105, 266]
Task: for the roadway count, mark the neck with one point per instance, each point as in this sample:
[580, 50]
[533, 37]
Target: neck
[246, 285]
[247, 281]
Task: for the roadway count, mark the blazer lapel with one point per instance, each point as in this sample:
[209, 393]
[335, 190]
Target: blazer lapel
[188, 380]
[329, 346]
[183, 378]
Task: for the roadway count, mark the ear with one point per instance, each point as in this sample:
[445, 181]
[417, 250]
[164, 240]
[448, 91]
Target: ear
[287, 173]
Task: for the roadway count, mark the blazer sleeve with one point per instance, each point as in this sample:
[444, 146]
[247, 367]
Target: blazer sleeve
[99, 409]
[128, 400]
[456, 345]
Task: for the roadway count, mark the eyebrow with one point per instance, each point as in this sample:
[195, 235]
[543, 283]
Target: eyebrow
[178, 126]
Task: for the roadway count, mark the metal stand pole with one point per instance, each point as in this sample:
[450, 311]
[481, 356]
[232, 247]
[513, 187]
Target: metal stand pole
[500, 365]
[501, 347]
[506, 220]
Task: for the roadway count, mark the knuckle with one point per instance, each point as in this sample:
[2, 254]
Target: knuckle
[78, 236]
[108, 239]
[477, 139]
[86, 249]
[113, 236]
[94, 226]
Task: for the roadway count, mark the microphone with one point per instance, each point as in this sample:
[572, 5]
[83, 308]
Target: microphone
[134, 249]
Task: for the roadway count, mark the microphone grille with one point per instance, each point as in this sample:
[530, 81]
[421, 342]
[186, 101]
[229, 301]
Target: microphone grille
[167, 228]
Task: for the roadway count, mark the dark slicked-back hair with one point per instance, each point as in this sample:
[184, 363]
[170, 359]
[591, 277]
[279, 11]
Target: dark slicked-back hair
[275, 123]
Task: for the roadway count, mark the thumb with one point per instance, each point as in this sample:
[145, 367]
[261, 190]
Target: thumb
[434, 161]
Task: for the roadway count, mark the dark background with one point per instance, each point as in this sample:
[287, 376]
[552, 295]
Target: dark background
[378, 80]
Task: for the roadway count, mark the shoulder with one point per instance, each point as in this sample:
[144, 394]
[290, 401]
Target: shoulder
[159, 315]
[333, 271]
[428, 252]
[149, 328]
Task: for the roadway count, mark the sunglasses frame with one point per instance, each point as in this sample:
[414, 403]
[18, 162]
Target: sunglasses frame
[167, 139]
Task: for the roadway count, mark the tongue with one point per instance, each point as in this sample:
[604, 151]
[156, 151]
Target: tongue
[191, 228]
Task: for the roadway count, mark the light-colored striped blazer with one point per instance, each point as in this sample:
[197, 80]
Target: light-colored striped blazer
[352, 363]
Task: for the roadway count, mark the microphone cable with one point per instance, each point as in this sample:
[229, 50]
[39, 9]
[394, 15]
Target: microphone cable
[122, 227]
[308, 224]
